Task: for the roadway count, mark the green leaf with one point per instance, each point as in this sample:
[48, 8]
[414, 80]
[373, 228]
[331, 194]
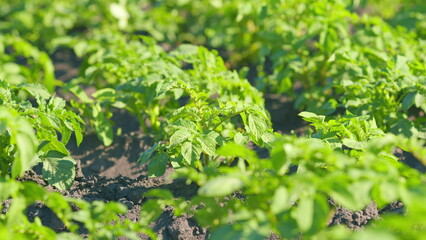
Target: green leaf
[191, 151]
[420, 100]
[279, 159]
[7, 189]
[226, 232]
[321, 214]
[354, 144]
[157, 165]
[105, 93]
[54, 145]
[78, 91]
[14, 214]
[186, 124]
[240, 139]
[145, 156]
[58, 170]
[220, 186]
[408, 100]
[179, 136]
[312, 117]
[78, 132]
[103, 127]
[208, 144]
[303, 213]
[280, 200]
[236, 150]
[36, 90]
[354, 196]
[256, 125]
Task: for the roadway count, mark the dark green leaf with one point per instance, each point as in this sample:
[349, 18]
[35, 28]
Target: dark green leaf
[157, 165]
[408, 100]
[58, 169]
[145, 156]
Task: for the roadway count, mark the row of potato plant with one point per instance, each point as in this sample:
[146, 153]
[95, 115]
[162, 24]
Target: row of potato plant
[289, 193]
[287, 42]
[341, 59]
[185, 96]
[30, 135]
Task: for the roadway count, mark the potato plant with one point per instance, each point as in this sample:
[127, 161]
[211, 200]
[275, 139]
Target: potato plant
[35, 68]
[258, 197]
[188, 97]
[100, 219]
[30, 134]
[48, 24]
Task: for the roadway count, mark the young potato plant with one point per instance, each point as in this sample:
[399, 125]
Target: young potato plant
[288, 193]
[295, 44]
[349, 133]
[43, 129]
[100, 219]
[390, 61]
[48, 24]
[186, 95]
[35, 68]
[393, 94]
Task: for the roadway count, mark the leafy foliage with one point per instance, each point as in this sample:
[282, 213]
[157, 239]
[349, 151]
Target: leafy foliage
[356, 69]
[29, 134]
[268, 196]
[35, 67]
[160, 84]
[99, 218]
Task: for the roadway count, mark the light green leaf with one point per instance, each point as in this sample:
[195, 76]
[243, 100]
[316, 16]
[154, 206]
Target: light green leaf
[280, 200]
[26, 145]
[179, 136]
[303, 213]
[221, 186]
[256, 125]
[239, 138]
[78, 132]
[118, 11]
[420, 100]
[268, 137]
[236, 150]
[354, 144]
[185, 124]
[103, 127]
[401, 64]
[78, 91]
[208, 144]
[53, 145]
[191, 151]
[36, 90]
[354, 196]
[312, 117]
[105, 93]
